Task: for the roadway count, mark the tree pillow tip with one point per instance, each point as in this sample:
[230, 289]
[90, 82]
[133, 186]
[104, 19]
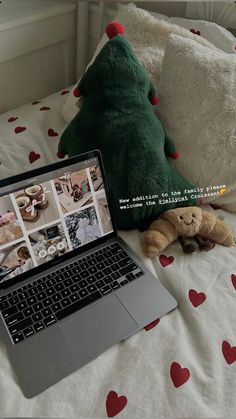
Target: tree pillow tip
[174, 155]
[114, 28]
[76, 92]
[154, 100]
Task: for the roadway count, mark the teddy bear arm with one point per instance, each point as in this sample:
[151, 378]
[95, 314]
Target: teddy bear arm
[160, 234]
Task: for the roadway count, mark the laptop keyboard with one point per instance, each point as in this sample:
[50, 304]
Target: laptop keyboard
[43, 302]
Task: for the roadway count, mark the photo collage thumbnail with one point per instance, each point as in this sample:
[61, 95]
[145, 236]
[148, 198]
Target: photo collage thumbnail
[44, 221]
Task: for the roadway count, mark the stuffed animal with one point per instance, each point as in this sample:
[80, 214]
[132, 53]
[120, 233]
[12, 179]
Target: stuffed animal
[117, 117]
[185, 222]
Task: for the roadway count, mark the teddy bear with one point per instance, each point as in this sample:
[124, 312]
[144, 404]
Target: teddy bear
[184, 223]
[116, 116]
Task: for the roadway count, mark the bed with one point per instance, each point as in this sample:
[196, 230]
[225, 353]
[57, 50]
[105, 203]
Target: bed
[182, 365]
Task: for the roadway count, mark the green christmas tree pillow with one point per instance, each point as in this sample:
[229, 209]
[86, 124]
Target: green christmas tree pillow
[117, 118]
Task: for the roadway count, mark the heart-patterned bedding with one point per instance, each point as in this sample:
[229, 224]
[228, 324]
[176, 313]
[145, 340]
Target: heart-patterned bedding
[182, 365]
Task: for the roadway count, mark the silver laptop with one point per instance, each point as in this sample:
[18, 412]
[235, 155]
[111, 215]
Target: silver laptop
[70, 288]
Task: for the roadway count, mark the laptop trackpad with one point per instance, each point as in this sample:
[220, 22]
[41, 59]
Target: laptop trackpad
[93, 330]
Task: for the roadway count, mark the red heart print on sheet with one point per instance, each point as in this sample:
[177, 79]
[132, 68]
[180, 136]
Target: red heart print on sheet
[215, 207]
[229, 352]
[151, 325]
[12, 119]
[233, 280]
[64, 92]
[33, 156]
[52, 133]
[179, 375]
[115, 404]
[196, 298]
[44, 108]
[166, 260]
[18, 130]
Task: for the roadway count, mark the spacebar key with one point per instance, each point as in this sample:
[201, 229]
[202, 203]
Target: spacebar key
[78, 305]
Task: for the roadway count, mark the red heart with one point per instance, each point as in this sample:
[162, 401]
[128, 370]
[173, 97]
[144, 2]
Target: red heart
[233, 279]
[52, 133]
[36, 102]
[196, 298]
[44, 108]
[115, 404]
[64, 92]
[151, 325]
[33, 156]
[18, 130]
[165, 260]
[12, 119]
[178, 374]
[229, 352]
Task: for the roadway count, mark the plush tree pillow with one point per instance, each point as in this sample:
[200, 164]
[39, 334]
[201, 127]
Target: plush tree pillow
[197, 107]
[148, 36]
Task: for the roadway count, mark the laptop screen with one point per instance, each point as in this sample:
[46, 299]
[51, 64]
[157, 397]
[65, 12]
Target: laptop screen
[46, 217]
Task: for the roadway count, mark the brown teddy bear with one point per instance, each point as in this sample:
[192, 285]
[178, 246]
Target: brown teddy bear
[184, 223]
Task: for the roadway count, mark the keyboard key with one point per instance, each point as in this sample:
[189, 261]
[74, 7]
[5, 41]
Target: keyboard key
[74, 288]
[28, 332]
[13, 300]
[18, 337]
[32, 291]
[38, 306]
[3, 298]
[65, 302]
[22, 305]
[42, 287]
[115, 275]
[139, 273]
[65, 293]
[91, 288]
[99, 275]
[28, 311]
[41, 296]
[32, 300]
[100, 283]
[46, 312]
[50, 320]
[107, 271]
[130, 276]
[84, 266]
[78, 305]
[83, 293]
[56, 307]
[108, 279]
[115, 258]
[76, 278]
[85, 274]
[59, 287]
[92, 270]
[127, 269]
[47, 302]
[91, 279]
[18, 327]
[56, 297]
[14, 319]
[23, 296]
[115, 267]
[115, 285]
[92, 262]
[50, 291]
[50, 282]
[125, 281]
[124, 262]
[68, 282]
[37, 316]
[9, 312]
[74, 297]
[83, 283]
[4, 305]
[38, 326]
[105, 290]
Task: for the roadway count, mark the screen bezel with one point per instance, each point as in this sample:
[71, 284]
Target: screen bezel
[47, 169]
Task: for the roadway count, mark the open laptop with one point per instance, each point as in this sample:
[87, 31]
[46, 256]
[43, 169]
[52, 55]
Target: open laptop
[69, 286]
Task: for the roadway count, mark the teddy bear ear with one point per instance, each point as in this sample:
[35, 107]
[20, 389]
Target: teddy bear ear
[114, 28]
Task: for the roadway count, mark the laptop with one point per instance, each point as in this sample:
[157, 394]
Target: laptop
[70, 287]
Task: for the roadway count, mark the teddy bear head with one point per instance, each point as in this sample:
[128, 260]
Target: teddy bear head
[186, 221]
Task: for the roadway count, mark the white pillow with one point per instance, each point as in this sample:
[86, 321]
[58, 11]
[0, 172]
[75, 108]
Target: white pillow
[197, 107]
[148, 36]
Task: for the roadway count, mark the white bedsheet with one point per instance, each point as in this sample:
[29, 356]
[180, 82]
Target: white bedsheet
[139, 369]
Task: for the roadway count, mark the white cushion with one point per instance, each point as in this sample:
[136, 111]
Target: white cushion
[197, 107]
[148, 36]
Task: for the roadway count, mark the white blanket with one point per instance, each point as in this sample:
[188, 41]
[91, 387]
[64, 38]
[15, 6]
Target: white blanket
[184, 366]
